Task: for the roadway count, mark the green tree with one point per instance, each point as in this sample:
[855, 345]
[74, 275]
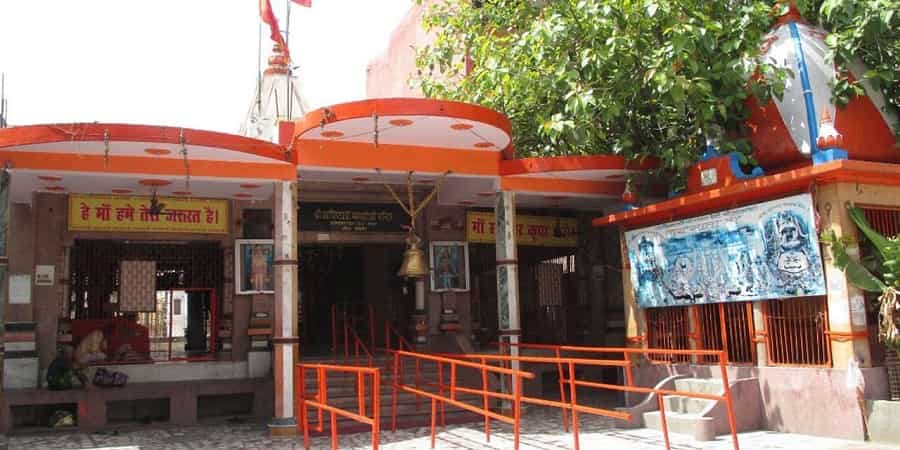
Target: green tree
[626, 77]
[868, 30]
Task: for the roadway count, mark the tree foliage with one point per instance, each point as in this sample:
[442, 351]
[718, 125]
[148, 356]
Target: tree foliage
[626, 77]
[867, 30]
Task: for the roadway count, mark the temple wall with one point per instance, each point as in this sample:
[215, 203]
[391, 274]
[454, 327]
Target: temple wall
[39, 235]
[388, 74]
[807, 400]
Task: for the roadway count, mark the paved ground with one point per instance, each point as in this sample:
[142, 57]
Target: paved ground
[542, 431]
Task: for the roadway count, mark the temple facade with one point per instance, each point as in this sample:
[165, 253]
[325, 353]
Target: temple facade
[204, 266]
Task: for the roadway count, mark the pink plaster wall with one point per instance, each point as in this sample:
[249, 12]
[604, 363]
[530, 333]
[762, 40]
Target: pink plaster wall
[20, 247]
[51, 222]
[388, 74]
[813, 401]
[440, 341]
[39, 235]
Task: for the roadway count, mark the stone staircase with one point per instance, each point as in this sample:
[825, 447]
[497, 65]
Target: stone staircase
[410, 413]
[883, 416]
[705, 419]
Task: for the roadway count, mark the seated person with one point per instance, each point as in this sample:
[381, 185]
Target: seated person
[60, 373]
[91, 349]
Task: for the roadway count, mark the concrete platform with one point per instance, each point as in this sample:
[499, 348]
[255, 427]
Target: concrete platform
[541, 427]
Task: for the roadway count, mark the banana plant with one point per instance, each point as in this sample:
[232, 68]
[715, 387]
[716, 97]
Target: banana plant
[883, 277]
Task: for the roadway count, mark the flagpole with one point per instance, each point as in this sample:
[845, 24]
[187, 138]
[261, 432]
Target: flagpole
[259, 70]
[287, 77]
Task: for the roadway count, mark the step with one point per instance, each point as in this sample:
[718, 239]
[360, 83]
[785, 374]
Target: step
[883, 416]
[701, 428]
[428, 381]
[699, 385]
[418, 420]
[409, 414]
[405, 404]
[686, 405]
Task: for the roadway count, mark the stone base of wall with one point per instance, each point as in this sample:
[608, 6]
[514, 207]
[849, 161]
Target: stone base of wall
[259, 363]
[182, 398]
[813, 401]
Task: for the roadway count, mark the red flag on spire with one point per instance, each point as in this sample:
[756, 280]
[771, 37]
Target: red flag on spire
[268, 18]
[306, 3]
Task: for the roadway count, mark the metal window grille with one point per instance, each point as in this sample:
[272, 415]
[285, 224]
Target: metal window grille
[94, 266]
[567, 262]
[797, 331]
[549, 284]
[726, 326]
[169, 335]
[668, 328]
[885, 220]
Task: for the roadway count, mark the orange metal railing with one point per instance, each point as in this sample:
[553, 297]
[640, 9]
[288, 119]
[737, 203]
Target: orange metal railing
[447, 391]
[558, 351]
[353, 345]
[319, 400]
[571, 405]
[359, 347]
[391, 334]
[346, 316]
[443, 391]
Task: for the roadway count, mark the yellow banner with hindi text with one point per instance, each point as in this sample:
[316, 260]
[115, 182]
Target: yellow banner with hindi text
[122, 213]
[544, 231]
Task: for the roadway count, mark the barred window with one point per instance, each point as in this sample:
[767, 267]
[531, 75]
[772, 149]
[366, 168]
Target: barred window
[797, 331]
[729, 327]
[668, 328]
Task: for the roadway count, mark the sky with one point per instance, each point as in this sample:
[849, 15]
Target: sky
[190, 63]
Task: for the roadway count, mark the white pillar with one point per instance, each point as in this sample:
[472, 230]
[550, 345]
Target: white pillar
[420, 295]
[285, 339]
[510, 329]
[420, 317]
[846, 306]
[760, 338]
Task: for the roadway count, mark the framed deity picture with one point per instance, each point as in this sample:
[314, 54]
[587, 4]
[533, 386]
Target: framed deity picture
[254, 269]
[449, 266]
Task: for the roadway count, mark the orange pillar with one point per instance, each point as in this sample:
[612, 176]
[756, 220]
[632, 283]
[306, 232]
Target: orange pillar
[285, 339]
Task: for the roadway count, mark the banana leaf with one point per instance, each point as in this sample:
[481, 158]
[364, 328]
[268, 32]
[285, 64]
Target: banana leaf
[856, 273]
[888, 248]
[881, 243]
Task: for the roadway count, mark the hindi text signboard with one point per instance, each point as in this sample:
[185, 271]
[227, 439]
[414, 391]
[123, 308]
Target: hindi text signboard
[117, 213]
[759, 252]
[545, 231]
[352, 217]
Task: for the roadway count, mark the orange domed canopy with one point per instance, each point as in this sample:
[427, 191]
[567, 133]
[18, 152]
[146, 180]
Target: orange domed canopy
[101, 158]
[381, 140]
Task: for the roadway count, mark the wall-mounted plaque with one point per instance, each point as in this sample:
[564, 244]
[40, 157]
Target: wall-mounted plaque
[44, 275]
[352, 217]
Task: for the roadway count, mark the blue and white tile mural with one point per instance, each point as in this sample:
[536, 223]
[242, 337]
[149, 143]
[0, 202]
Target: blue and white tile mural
[764, 251]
